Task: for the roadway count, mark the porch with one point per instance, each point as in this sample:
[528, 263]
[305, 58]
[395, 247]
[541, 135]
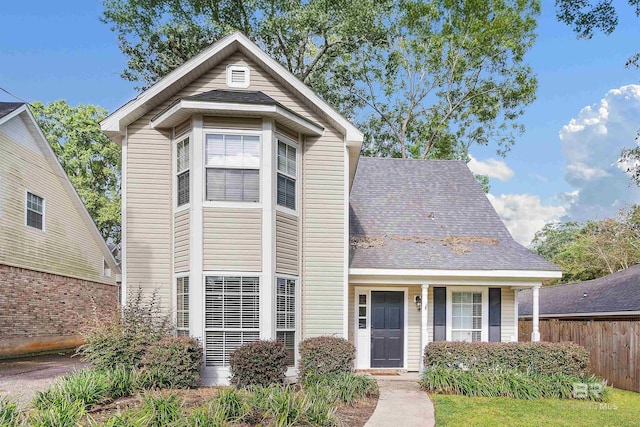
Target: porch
[392, 319]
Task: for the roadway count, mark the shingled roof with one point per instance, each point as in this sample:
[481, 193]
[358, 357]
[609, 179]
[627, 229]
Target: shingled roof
[617, 292]
[8, 107]
[429, 214]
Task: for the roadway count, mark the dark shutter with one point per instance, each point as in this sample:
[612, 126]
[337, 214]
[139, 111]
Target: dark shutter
[439, 314]
[495, 314]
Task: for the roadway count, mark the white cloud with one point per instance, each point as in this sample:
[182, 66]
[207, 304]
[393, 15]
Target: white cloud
[524, 214]
[591, 144]
[493, 168]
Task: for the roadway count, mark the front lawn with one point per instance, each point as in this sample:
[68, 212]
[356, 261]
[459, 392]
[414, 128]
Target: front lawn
[621, 409]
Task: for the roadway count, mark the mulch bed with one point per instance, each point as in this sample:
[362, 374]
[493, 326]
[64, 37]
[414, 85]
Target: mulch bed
[351, 416]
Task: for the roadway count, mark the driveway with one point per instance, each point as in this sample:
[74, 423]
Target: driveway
[20, 378]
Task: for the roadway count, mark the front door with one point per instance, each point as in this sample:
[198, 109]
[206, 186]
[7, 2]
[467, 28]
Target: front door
[387, 329]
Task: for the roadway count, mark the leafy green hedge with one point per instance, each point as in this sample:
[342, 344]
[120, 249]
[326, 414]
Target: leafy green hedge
[509, 383]
[260, 363]
[173, 362]
[543, 358]
[326, 355]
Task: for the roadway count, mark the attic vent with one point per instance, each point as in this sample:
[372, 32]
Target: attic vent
[238, 76]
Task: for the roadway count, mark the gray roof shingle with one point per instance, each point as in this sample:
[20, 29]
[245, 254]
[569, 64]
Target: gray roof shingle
[429, 214]
[619, 291]
[8, 107]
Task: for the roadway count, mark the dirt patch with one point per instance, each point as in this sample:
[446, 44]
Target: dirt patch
[359, 414]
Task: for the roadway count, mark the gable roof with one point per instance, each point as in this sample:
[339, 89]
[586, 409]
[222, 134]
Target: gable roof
[8, 107]
[429, 214]
[115, 124]
[617, 292]
[23, 111]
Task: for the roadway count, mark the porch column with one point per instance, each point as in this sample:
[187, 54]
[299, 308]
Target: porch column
[535, 334]
[424, 316]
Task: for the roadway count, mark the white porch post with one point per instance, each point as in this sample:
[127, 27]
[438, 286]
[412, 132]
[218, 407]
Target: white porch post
[535, 334]
[424, 316]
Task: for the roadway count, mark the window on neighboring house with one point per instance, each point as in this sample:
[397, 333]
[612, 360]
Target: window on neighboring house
[286, 175]
[286, 315]
[182, 171]
[466, 316]
[35, 211]
[232, 316]
[182, 306]
[233, 167]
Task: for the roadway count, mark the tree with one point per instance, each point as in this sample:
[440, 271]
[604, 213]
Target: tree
[453, 74]
[592, 249]
[310, 38]
[88, 156]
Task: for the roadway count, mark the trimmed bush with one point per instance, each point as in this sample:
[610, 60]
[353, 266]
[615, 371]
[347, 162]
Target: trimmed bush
[123, 339]
[544, 358]
[258, 363]
[173, 362]
[326, 355]
[507, 383]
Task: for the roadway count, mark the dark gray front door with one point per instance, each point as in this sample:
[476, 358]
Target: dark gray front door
[387, 329]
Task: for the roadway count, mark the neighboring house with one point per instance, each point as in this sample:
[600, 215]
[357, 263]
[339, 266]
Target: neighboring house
[612, 297]
[236, 200]
[56, 273]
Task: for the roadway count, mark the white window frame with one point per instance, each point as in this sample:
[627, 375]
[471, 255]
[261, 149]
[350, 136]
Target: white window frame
[235, 67]
[296, 145]
[180, 138]
[226, 204]
[26, 210]
[484, 336]
[297, 317]
[175, 302]
[206, 329]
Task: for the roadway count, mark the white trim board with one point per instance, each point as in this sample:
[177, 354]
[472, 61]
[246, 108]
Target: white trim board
[590, 314]
[439, 273]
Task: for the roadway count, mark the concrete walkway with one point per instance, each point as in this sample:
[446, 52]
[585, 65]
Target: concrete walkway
[402, 403]
[20, 378]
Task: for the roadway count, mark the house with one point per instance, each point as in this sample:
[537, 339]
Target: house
[612, 297]
[244, 194]
[56, 273]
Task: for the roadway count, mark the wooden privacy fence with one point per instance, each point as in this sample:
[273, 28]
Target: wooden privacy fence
[614, 346]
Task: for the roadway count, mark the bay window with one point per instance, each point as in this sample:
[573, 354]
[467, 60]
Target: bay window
[232, 167]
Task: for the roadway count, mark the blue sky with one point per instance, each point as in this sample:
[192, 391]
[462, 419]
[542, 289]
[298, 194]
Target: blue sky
[60, 50]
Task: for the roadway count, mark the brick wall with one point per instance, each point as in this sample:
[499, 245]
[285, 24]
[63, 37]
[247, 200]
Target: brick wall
[41, 311]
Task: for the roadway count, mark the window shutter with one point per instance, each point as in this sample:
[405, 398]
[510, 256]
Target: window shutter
[495, 314]
[439, 313]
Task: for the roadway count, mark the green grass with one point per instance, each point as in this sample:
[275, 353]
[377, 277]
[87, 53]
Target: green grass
[621, 409]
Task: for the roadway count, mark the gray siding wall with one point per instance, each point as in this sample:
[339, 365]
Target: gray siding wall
[286, 243]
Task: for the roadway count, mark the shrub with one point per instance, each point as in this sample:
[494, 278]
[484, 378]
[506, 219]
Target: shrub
[230, 405]
[123, 339]
[544, 358]
[65, 413]
[505, 383]
[345, 387]
[173, 362]
[86, 387]
[326, 355]
[161, 410]
[258, 363]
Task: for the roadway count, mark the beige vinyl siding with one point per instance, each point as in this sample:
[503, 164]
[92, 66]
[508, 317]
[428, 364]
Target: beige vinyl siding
[67, 246]
[182, 128]
[232, 239]
[283, 130]
[286, 243]
[413, 330]
[238, 123]
[181, 241]
[507, 328]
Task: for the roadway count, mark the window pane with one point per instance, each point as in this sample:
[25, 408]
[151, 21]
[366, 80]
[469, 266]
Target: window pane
[362, 323]
[286, 192]
[183, 188]
[216, 184]
[289, 340]
[241, 151]
[182, 303]
[235, 185]
[214, 144]
[362, 299]
[362, 311]
[251, 152]
[182, 156]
